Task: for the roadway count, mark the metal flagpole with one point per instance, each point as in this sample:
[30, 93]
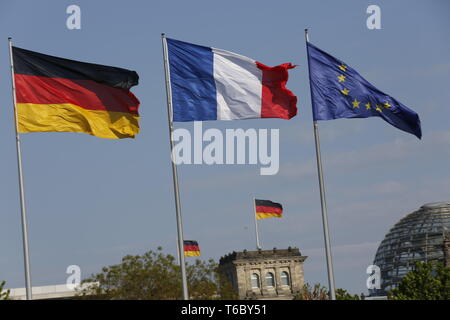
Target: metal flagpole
[174, 171]
[322, 200]
[26, 253]
[256, 225]
[178, 251]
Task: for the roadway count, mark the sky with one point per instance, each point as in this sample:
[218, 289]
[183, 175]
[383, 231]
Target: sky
[90, 201]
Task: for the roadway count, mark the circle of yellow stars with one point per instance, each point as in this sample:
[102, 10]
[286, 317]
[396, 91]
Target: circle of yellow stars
[356, 104]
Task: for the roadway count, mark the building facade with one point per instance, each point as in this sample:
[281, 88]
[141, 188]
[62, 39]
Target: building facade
[264, 274]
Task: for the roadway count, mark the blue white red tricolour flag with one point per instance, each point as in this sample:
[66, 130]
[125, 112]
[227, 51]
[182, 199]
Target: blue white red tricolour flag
[214, 84]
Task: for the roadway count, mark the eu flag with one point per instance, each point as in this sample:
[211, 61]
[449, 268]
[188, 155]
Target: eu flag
[338, 91]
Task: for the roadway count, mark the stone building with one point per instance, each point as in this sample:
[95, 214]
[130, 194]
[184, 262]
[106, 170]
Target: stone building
[264, 274]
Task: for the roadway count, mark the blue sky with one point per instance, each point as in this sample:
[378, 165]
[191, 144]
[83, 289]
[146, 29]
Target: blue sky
[90, 200]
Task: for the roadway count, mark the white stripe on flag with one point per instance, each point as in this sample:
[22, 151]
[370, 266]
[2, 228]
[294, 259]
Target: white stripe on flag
[238, 86]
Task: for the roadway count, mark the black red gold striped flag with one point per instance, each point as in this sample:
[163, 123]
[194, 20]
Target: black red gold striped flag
[60, 95]
[266, 209]
[191, 248]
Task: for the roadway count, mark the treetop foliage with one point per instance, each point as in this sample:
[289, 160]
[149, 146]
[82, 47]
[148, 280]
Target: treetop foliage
[428, 281]
[156, 276]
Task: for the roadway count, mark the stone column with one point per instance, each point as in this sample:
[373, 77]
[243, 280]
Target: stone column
[262, 269]
[296, 274]
[248, 285]
[278, 287]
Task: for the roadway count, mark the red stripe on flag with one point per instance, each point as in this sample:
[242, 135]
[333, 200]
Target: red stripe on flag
[86, 94]
[264, 209]
[277, 100]
[191, 248]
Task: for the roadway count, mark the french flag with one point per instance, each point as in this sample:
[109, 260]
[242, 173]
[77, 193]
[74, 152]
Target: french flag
[214, 84]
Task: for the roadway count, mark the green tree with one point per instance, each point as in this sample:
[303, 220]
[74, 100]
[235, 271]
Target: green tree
[428, 281]
[156, 276]
[342, 294]
[4, 294]
[318, 292]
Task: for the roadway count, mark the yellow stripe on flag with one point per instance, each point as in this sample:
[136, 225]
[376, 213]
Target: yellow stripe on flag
[68, 117]
[263, 215]
[192, 253]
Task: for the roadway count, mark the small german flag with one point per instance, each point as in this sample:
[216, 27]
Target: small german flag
[267, 209]
[60, 95]
[191, 248]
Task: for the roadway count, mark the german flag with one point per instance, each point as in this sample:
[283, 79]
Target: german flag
[191, 248]
[60, 95]
[266, 209]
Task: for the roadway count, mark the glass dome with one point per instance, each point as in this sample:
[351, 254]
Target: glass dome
[419, 236]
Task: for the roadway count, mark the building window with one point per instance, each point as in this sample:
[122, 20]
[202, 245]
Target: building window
[270, 280]
[255, 281]
[284, 278]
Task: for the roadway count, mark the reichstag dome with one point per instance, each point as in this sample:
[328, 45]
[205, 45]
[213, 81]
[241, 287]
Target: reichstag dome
[419, 236]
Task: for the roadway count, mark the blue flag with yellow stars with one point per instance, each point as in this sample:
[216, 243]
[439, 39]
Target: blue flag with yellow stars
[338, 91]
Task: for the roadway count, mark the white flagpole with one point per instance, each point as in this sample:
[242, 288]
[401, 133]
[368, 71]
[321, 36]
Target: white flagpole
[26, 253]
[322, 201]
[258, 246]
[174, 171]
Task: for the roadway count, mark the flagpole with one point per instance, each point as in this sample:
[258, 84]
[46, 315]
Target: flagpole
[178, 252]
[256, 225]
[322, 200]
[174, 171]
[26, 253]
